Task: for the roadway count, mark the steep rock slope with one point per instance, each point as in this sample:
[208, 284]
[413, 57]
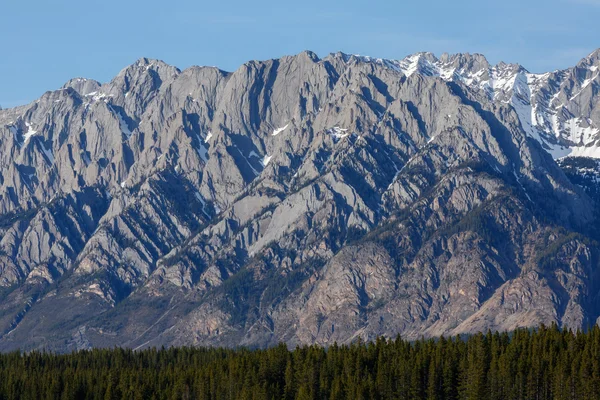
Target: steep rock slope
[299, 200]
[559, 109]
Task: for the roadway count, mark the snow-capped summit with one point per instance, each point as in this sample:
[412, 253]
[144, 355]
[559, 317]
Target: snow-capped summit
[559, 109]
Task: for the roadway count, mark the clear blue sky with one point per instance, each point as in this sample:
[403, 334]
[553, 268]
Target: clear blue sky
[44, 43]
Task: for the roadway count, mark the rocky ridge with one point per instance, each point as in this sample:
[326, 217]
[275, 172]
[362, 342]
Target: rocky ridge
[301, 199]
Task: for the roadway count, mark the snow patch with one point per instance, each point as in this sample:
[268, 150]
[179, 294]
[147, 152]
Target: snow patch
[578, 134]
[279, 130]
[337, 133]
[265, 160]
[208, 136]
[99, 96]
[410, 65]
[30, 132]
[592, 151]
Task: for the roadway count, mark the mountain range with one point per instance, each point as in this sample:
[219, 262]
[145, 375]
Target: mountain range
[300, 200]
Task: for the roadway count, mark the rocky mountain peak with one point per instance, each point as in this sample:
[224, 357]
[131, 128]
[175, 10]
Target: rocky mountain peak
[143, 68]
[591, 60]
[465, 61]
[310, 55]
[295, 199]
[83, 86]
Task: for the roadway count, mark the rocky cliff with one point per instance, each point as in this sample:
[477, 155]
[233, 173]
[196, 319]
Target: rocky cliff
[301, 199]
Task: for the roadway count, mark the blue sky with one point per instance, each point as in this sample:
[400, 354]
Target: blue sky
[45, 43]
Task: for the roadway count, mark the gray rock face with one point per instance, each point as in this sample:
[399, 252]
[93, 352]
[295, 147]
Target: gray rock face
[559, 109]
[302, 200]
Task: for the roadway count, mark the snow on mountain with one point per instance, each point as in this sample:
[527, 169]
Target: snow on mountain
[297, 200]
[555, 108]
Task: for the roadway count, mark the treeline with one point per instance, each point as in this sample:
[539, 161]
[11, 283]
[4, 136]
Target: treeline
[547, 363]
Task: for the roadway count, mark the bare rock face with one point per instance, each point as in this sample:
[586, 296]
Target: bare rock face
[302, 200]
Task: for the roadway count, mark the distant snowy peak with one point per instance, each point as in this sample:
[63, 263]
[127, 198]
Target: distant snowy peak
[559, 109]
[472, 70]
[555, 108]
[422, 63]
[565, 107]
